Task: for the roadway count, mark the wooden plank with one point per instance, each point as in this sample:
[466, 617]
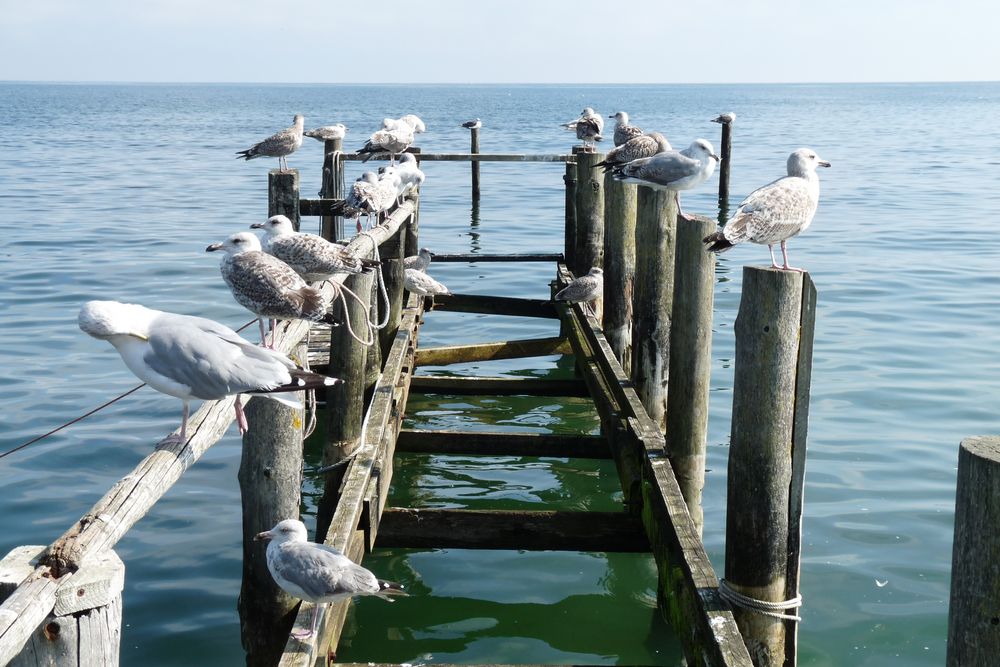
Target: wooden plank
[511, 529]
[497, 386]
[508, 349]
[473, 157]
[486, 443]
[321, 207]
[487, 257]
[495, 305]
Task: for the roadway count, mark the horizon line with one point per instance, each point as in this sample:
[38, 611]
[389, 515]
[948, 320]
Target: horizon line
[483, 83]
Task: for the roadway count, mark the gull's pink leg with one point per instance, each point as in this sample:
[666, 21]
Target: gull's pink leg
[274, 332]
[263, 332]
[774, 262]
[177, 439]
[784, 256]
[241, 419]
[299, 634]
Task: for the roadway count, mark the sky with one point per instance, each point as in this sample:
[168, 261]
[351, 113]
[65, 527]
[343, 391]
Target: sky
[503, 41]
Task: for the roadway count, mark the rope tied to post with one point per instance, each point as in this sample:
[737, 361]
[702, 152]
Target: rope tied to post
[772, 609]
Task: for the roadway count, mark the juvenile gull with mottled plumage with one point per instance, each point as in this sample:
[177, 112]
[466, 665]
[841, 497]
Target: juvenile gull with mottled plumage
[312, 257]
[418, 262]
[328, 132]
[588, 126]
[420, 283]
[585, 289]
[645, 145]
[280, 144]
[624, 131]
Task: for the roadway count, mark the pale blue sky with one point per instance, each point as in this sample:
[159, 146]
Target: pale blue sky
[326, 41]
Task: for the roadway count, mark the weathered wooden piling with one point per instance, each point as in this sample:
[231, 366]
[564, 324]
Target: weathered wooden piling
[391, 253]
[270, 477]
[725, 165]
[619, 266]
[589, 212]
[474, 149]
[411, 244]
[655, 239]
[332, 226]
[774, 334]
[85, 625]
[569, 242]
[974, 611]
[690, 359]
[283, 194]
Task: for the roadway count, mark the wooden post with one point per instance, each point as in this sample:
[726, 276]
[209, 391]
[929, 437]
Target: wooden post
[725, 165]
[475, 163]
[619, 266]
[690, 360]
[270, 477]
[391, 253]
[412, 244]
[344, 402]
[332, 227]
[655, 236]
[774, 333]
[974, 612]
[589, 213]
[569, 244]
[283, 194]
[373, 355]
[84, 628]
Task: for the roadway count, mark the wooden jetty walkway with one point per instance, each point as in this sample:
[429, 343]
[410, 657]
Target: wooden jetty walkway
[643, 357]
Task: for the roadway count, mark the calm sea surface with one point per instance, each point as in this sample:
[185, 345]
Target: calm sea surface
[113, 192]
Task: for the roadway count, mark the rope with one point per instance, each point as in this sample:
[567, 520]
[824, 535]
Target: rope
[772, 609]
[379, 280]
[340, 289]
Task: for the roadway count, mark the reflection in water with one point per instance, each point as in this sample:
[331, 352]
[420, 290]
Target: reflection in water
[723, 210]
[474, 245]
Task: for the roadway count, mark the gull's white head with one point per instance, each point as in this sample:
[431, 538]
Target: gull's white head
[299, 120]
[702, 149]
[596, 271]
[621, 117]
[276, 225]
[425, 253]
[407, 158]
[289, 530]
[105, 319]
[804, 161]
[391, 175]
[236, 244]
[414, 122]
[369, 177]
[587, 111]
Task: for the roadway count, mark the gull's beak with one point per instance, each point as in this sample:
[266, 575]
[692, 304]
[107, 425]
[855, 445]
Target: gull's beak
[257, 225]
[140, 337]
[610, 116]
[823, 163]
[214, 247]
[717, 158]
[266, 535]
[717, 120]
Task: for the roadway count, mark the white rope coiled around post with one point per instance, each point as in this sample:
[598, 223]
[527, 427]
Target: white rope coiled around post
[772, 609]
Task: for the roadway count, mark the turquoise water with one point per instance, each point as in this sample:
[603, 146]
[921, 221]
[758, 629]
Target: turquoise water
[114, 192]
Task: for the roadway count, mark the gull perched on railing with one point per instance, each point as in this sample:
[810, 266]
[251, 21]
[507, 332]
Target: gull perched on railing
[279, 145]
[391, 141]
[194, 358]
[328, 132]
[311, 256]
[422, 284]
[672, 170]
[644, 145]
[418, 262]
[624, 131]
[268, 287]
[585, 289]
[777, 211]
[410, 175]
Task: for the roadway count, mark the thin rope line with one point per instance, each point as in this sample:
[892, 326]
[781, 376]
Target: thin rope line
[764, 607]
[347, 317]
[380, 281]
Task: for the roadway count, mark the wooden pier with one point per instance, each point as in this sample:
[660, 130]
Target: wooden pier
[645, 366]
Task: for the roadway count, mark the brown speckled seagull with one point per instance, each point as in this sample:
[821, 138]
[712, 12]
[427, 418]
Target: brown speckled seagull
[312, 257]
[279, 145]
[624, 131]
[645, 145]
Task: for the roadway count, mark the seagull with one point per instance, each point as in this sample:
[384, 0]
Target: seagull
[418, 262]
[420, 283]
[644, 145]
[266, 286]
[584, 289]
[672, 170]
[410, 175]
[588, 126]
[193, 357]
[414, 122]
[311, 256]
[624, 131]
[724, 118]
[776, 212]
[279, 145]
[316, 572]
[327, 132]
[391, 141]
[365, 197]
[472, 124]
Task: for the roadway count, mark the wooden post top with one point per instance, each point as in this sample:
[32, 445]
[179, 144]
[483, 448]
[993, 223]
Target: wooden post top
[985, 447]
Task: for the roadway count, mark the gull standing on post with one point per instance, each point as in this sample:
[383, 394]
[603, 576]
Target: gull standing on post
[410, 175]
[585, 289]
[624, 131]
[777, 211]
[672, 170]
[472, 124]
[588, 126]
[279, 145]
[193, 357]
[316, 572]
[422, 284]
[418, 262]
[645, 145]
[312, 257]
[268, 287]
[327, 132]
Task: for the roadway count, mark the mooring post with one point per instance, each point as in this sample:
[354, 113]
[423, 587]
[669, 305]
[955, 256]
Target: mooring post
[84, 628]
[974, 611]
[270, 477]
[475, 163]
[655, 239]
[344, 401]
[690, 360]
[412, 241]
[391, 253]
[569, 243]
[619, 266]
[332, 226]
[373, 355]
[774, 334]
[589, 213]
[725, 165]
[283, 194]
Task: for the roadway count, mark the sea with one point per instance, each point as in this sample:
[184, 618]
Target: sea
[112, 191]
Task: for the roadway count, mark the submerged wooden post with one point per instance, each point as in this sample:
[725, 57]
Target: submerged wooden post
[569, 243]
[391, 253]
[270, 477]
[974, 612]
[589, 213]
[690, 360]
[283, 194]
[84, 628]
[619, 266]
[774, 334]
[344, 402]
[475, 163]
[332, 226]
[655, 237]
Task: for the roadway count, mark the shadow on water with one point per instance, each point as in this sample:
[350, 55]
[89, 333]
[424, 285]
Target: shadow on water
[474, 245]
[723, 210]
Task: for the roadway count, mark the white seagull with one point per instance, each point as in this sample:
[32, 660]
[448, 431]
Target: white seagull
[193, 357]
[672, 170]
[776, 212]
[418, 262]
[279, 145]
[472, 124]
[585, 289]
[327, 132]
[420, 283]
[311, 256]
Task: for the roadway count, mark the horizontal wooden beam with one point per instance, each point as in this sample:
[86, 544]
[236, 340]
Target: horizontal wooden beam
[511, 529]
[495, 305]
[474, 157]
[507, 349]
[514, 257]
[489, 443]
[318, 206]
[497, 386]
